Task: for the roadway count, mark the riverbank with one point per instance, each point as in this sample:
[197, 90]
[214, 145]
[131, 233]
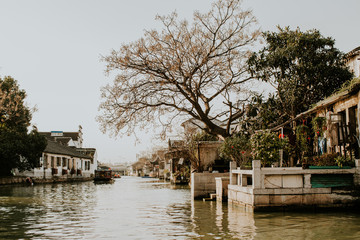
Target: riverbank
[138, 208]
[282, 188]
[24, 180]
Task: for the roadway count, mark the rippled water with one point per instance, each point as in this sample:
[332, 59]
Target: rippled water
[136, 208]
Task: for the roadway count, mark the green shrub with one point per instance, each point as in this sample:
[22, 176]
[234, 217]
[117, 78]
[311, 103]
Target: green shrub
[237, 148]
[303, 141]
[318, 126]
[342, 161]
[266, 145]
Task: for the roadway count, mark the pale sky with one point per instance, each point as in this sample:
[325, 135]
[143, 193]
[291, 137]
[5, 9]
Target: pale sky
[53, 49]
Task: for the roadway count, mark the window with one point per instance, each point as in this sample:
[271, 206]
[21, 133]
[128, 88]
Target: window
[58, 161]
[87, 165]
[64, 162]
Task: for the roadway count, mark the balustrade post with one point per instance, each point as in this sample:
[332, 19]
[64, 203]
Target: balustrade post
[232, 176]
[256, 176]
[307, 180]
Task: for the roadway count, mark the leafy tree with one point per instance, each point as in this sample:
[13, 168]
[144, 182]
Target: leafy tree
[195, 70]
[18, 148]
[13, 112]
[260, 114]
[304, 67]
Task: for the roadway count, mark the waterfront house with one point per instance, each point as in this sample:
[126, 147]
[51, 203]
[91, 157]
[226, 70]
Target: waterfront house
[339, 115]
[64, 158]
[320, 186]
[142, 167]
[308, 186]
[353, 61]
[159, 164]
[66, 162]
[178, 157]
[137, 168]
[206, 163]
[74, 141]
[120, 169]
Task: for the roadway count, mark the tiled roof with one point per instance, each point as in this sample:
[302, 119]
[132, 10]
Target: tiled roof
[57, 148]
[62, 140]
[353, 52]
[87, 151]
[73, 135]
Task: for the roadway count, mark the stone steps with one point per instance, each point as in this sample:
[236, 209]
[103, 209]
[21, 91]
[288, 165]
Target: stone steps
[211, 198]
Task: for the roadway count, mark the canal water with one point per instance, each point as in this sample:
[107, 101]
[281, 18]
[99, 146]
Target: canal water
[138, 208]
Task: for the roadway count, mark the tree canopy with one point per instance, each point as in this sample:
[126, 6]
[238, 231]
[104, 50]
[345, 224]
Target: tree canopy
[13, 112]
[195, 70]
[18, 148]
[304, 67]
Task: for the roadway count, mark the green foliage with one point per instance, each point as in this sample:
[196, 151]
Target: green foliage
[349, 86]
[34, 145]
[261, 114]
[18, 148]
[304, 67]
[318, 126]
[331, 159]
[303, 140]
[266, 146]
[237, 148]
[342, 161]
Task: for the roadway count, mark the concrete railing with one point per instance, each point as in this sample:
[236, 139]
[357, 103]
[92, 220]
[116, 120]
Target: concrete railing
[281, 187]
[222, 184]
[204, 184]
[292, 177]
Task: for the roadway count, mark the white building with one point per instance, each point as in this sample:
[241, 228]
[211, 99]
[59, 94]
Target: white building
[64, 157]
[353, 61]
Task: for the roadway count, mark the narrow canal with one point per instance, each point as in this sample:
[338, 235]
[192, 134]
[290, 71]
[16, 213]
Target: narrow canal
[137, 208]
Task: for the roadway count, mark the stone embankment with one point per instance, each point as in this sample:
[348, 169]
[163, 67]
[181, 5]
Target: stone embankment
[288, 188]
[25, 180]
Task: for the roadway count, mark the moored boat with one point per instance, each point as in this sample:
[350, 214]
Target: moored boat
[103, 175]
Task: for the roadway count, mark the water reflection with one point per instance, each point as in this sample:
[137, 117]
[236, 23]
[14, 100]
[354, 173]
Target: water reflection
[135, 208]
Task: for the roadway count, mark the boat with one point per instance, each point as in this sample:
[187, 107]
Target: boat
[103, 175]
[146, 176]
[116, 175]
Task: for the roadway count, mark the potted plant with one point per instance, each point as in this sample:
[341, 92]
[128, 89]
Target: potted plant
[330, 161]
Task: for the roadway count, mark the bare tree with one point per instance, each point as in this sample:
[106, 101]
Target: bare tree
[195, 70]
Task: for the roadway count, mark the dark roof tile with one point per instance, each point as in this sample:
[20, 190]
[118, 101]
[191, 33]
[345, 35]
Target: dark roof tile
[57, 148]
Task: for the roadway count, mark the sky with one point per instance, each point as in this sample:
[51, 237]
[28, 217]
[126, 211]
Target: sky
[53, 49]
